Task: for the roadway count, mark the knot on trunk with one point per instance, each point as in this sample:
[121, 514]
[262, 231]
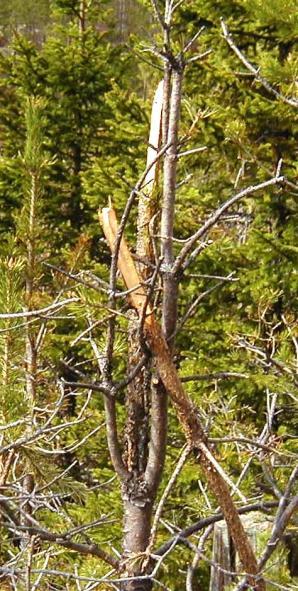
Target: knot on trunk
[136, 491]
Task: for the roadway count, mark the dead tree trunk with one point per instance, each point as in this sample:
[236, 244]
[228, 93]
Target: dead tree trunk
[186, 411]
[146, 409]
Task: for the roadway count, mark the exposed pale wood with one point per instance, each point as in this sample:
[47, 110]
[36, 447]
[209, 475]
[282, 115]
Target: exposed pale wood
[147, 203]
[186, 411]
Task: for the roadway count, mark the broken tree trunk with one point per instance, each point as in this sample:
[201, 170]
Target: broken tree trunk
[146, 408]
[186, 410]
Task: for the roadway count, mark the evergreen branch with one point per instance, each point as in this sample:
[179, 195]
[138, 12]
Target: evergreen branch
[255, 71]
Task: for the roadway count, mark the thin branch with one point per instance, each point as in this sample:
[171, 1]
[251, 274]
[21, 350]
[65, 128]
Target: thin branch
[194, 565]
[206, 276]
[200, 56]
[39, 312]
[255, 71]
[203, 523]
[216, 216]
[56, 538]
[251, 442]
[111, 417]
[158, 14]
[89, 386]
[190, 43]
[131, 376]
[193, 151]
[34, 436]
[220, 471]
[220, 375]
[183, 457]
[192, 307]
[278, 530]
[267, 361]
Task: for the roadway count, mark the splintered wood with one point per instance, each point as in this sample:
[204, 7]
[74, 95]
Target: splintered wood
[186, 410]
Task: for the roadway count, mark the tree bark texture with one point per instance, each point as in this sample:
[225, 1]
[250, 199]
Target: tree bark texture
[170, 283]
[186, 410]
[137, 527]
[144, 446]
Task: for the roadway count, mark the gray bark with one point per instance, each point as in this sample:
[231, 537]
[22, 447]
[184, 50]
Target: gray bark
[170, 283]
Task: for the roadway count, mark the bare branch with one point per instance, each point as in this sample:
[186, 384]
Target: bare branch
[56, 538]
[89, 386]
[193, 151]
[255, 71]
[196, 558]
[41, 311]
[278, 529]
[203, 523]
[157, 13]
[183, 457]
[220, 375]
[216, 216]
[111, 419]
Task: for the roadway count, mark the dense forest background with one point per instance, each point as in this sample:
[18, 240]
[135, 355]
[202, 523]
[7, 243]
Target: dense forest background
[77, 80]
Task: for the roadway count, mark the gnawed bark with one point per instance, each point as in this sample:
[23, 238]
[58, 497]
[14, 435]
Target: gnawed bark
[143, 458]
[186, 410]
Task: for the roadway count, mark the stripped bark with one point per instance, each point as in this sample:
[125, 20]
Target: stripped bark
[185, 409]
[143, 458]
[147, 205]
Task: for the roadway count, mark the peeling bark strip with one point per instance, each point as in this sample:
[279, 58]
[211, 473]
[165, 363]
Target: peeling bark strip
[186, 410]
